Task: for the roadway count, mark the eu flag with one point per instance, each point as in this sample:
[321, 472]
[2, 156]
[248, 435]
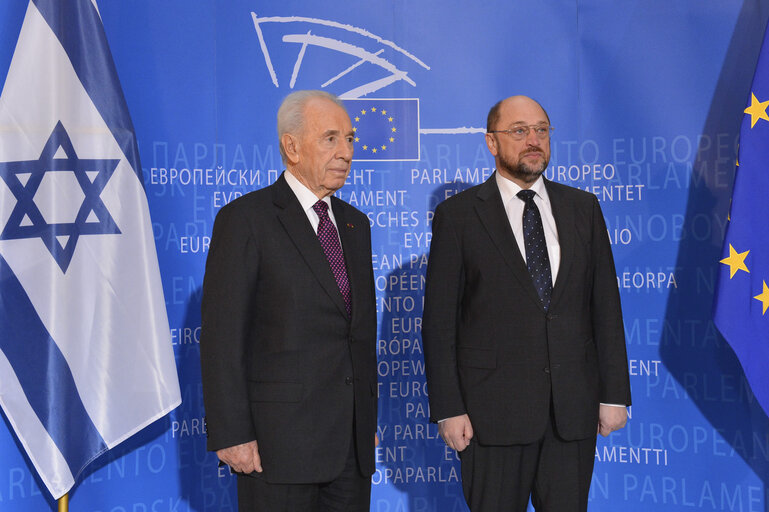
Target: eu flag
[385, 129]
[742, 296]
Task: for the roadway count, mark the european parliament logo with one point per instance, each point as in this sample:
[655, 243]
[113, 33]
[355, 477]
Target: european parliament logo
[360, 63]
[386, 129]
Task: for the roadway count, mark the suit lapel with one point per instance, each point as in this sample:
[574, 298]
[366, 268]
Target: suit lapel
[494, 219]
[564, 215]
[299, 229]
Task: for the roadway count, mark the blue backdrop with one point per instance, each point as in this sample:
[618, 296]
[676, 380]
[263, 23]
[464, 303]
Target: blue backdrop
[646, 99]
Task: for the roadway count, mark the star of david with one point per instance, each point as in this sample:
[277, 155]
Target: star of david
[23, 179]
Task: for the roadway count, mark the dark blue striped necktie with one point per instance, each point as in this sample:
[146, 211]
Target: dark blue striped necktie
[537, 259]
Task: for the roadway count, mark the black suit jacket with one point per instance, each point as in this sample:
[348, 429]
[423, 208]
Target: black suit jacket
[492, 351]
[282, 363]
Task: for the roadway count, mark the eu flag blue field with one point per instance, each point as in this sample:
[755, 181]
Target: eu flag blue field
[385, 129]
[742, 298]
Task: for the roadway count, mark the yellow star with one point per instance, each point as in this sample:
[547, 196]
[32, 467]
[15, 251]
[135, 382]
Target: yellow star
[384, 112]
[365, 147]
[363, 112]
[355, 128]
[736, 261]
[373, 150]
[764, 298]
[392, 139]
[393, 129]
[390, 119]
[384, 147]
[757, 110]
[373, 109]
[357, 139]
[357, 119]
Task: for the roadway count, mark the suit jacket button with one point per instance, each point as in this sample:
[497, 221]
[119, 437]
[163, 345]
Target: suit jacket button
[546, 369]
[348, 380]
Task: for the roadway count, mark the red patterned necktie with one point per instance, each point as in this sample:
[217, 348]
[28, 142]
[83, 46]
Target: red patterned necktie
[329, 241]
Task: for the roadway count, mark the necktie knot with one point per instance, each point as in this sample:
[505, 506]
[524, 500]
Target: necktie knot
[526, 195]
[321, 208]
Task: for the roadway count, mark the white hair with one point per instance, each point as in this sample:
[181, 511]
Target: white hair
[291, 113]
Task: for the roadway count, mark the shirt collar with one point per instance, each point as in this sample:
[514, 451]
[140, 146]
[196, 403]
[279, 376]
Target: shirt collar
[509, 189]
[305, 196]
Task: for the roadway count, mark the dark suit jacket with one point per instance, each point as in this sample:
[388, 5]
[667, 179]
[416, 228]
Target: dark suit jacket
[282, 363]
[492, 351]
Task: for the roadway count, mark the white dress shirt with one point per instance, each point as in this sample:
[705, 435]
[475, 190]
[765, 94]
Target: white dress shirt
[307, 199]
[514, 209]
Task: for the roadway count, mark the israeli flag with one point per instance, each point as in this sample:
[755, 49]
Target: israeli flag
[85, 351]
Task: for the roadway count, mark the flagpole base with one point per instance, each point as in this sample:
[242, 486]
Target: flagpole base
[64, 503]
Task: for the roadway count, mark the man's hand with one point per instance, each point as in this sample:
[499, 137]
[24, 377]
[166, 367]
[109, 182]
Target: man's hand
[242, 458]
[456, 432]
[611, 418]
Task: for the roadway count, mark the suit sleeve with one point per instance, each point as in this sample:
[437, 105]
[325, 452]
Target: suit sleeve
[443, 295]
[228, 290]
[608, 328]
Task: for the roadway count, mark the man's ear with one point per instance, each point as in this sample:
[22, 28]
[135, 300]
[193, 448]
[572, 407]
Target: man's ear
[290, 147]
[491, 143]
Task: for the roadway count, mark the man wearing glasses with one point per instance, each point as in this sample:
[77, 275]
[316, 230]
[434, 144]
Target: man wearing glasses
[523, 333]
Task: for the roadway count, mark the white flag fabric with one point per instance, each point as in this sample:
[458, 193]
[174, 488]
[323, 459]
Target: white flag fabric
[85, 351]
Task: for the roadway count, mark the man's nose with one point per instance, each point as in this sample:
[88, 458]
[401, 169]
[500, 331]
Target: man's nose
[344, 150]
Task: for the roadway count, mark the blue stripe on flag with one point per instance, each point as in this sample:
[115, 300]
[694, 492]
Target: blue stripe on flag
[78, 27]
[45, 376]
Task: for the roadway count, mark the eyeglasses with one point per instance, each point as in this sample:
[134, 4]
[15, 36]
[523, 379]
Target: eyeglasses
[542, 131]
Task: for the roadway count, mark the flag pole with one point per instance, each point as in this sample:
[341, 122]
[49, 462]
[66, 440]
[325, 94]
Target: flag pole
[64, 503]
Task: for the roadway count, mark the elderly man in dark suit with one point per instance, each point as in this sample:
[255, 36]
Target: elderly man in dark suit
[289, 326]
[523, 334]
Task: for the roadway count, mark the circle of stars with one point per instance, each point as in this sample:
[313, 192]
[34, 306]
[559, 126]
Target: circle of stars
[390, 119]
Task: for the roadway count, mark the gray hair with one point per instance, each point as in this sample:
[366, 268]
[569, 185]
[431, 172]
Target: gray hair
[291, 113]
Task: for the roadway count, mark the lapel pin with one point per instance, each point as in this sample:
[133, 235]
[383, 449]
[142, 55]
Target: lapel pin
[350, 226]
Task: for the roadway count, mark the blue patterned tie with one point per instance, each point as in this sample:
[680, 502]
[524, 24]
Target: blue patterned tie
[536, 248]
[329, 241]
